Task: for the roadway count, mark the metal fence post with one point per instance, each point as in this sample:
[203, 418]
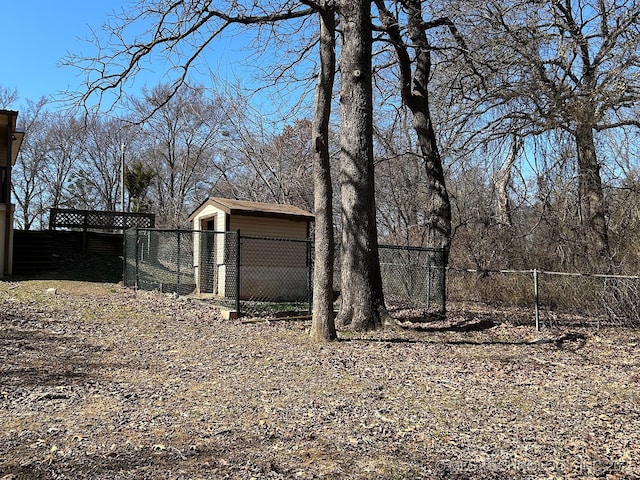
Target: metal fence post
[536, 297]
[429, 284]
[238, 273]
[310, 275]
[124, 259]
[137, 254]
[179, 262]
[443, 284]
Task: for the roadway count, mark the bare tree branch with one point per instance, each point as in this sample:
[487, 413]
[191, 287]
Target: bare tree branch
[175, 27]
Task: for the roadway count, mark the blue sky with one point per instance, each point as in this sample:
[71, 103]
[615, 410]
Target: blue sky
[42, 32]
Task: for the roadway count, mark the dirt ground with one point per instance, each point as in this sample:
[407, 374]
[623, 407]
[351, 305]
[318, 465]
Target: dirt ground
[101, 382]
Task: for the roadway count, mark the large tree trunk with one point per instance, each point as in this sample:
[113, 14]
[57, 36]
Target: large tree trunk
[362, 299]
[322, 325]
[415, 95]
[591, 196]
[439, 206]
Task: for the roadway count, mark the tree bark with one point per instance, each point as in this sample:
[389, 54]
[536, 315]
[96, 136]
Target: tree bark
[591, 196]
[415, 96]
[439, 206]
[502, 180]
[361, 284]
[323, 326]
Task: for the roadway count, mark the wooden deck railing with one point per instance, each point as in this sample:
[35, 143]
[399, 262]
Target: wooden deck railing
[99, 220]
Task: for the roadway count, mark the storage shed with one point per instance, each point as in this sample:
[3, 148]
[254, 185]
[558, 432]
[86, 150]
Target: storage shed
[274, 256]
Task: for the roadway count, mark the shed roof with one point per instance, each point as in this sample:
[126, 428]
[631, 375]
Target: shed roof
[245, 207]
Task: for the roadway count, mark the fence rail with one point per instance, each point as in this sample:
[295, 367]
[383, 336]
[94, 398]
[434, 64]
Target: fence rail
[552, 298]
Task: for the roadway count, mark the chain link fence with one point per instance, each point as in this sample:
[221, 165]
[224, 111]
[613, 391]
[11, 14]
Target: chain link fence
[549, 299]
[413, 278]
[159, 260]
[262, 276]
[275, 276]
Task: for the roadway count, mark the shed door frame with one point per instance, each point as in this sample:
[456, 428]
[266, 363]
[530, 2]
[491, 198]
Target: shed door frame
[207, 261]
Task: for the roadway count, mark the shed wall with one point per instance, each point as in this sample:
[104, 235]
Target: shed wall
[268, 268]
[268, 227]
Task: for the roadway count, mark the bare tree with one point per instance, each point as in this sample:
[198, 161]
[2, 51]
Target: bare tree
[362, 297]
[562, 65]
[8, 97]
[400, 184]
[178, 32]
[64, 149]
[97, 173]
[179, 143]
[270, 167]
[502, 182]
[323, 325]
[415, 74]
[27, 186]
[183, 30]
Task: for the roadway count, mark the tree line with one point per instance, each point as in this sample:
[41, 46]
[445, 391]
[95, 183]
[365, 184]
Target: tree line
[504, 132]
[197, 145]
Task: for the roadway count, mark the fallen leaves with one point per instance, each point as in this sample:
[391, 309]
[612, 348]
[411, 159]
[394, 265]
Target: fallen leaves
[98, 381]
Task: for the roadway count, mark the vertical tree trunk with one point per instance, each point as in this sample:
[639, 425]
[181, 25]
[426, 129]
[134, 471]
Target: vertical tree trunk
[592, 208]
[439, 206]
[362, 299]
[322, 326]
[415, 96]
[502, 180]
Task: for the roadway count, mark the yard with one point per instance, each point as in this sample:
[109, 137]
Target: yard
[101, 382]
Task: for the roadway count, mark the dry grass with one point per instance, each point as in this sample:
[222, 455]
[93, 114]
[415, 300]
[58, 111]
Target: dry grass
[101, 382]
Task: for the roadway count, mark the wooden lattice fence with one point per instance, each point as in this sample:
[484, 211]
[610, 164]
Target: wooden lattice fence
[99, 220]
